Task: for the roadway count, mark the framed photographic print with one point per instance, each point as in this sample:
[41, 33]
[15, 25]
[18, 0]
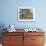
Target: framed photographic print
[26, 14]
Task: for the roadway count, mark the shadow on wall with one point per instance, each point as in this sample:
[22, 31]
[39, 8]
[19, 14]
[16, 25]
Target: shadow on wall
[2, 26]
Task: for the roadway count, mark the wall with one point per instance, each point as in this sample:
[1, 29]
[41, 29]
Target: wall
[8, 13]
